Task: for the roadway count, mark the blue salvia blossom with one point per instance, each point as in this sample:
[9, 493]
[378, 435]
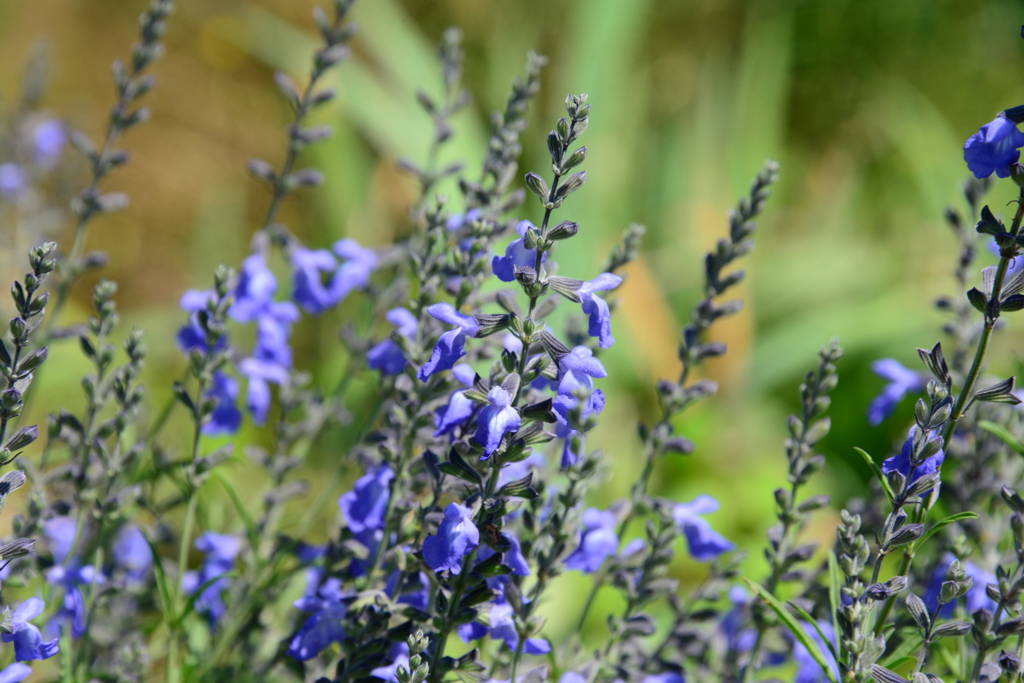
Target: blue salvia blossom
[324, 626]
[15, 673]
[69, 575]
[516, 254]
[456, 537]
[221, 551]
[496, 419]
[598, 541]
[901, 380]
[512, 558]
[417, 598]
[386, 355]
[562, 405]
[364, 507]
[807, 668]
[667, 677]
[994, 148]
[704, 543]
[458, 220]
[308, 270]
[13, 180]
[261, 375]
[358, 263]
[500, 616]
[132, 553]
[901, 461]
[577, 370]
[976, 597]
[399, 656]
[48, 140]
[28, 641]
[191, 335]
[451, 346]
[226, 418]
[572, 677]
[459, 408]
[596, 308]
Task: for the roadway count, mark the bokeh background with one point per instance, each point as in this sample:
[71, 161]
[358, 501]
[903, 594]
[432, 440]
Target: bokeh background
[865, 103]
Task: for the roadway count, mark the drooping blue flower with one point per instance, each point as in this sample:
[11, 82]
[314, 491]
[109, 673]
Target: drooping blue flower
[13, 180]
[28, 641]
[132, 553]
[73, 610]
[516, 254]
[226, 418]
[255, 289]
[452, 344]
[48, 139]
[459, 408]
[308, 554]
[597, 308]
[503, 627]
[976, 597]
[577, 369]
[807, 668]
[358, 263]
[705, 543]
[261, 375]
[15, 673]
[598, 542]
[901, 461]
[994, 148]
[496, 419]
[308, 271]
[399, 656]
[364, 506]
[456, 537]
[191, 335]
[901, 380]
[387, 356]
[221, 551]
[513, 558]
[324, 626]
[563, 404]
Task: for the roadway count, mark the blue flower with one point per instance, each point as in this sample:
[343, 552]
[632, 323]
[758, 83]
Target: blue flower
[572, 677]
[597, 542]
[324, 627]
[452, 344]
[13, 180]
[15, 673]
[518, 470]
[456, 537]
[364, 506]
[226, 418]
[901, 461]
[513, 558]
[516, 254]
[417, 598]
[807, 668]
[221, 551]
[191, 335]
[132, 553]
[458, 220]
[73, 610]
[563, 404]
[387, 356]
[399, 656]
[496, 419]
[667, 677]
[578, 368]
[28, 641]
[597, 308]
[357, 264]
[261, 374]
[459, 408]
[48, 139]
[503, 627]
[994, 148]
[901, 380]
[976, 597]
[61, 532]
[308, 268]
[704, 542]
[255, 289]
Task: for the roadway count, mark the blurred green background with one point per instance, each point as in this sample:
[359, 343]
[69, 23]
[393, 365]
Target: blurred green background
[866, 104]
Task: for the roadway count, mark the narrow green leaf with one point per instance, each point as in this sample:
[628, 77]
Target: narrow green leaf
[250, 527]
[794, 627]
[896, 663]
[814, 622]
[877, 471]
[161, 580]
[835, 583]
[1003, 435]
[910, 644]
[944, 523]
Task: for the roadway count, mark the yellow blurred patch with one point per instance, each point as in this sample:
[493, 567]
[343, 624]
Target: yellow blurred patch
[225, 41]
[651, 320]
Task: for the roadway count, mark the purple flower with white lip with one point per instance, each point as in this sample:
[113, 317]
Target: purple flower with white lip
[132, 553]
[976, 597]
[452, 344]
[597, 308]
[13, 180]
[364, 506]
[221, 551]
[496, 419]
[901, 461]
[15, 673]
[387, 356]
[516, 254]
[357, 264]
[226, 418]
[324, 627]
[598, 542]
[901, 380]
[28, 641]
[48, 138]
[308, 268]
[705, 543]
[994, 148]
[513, 558]
[459, 408]
[456, 537]
[399, 656]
